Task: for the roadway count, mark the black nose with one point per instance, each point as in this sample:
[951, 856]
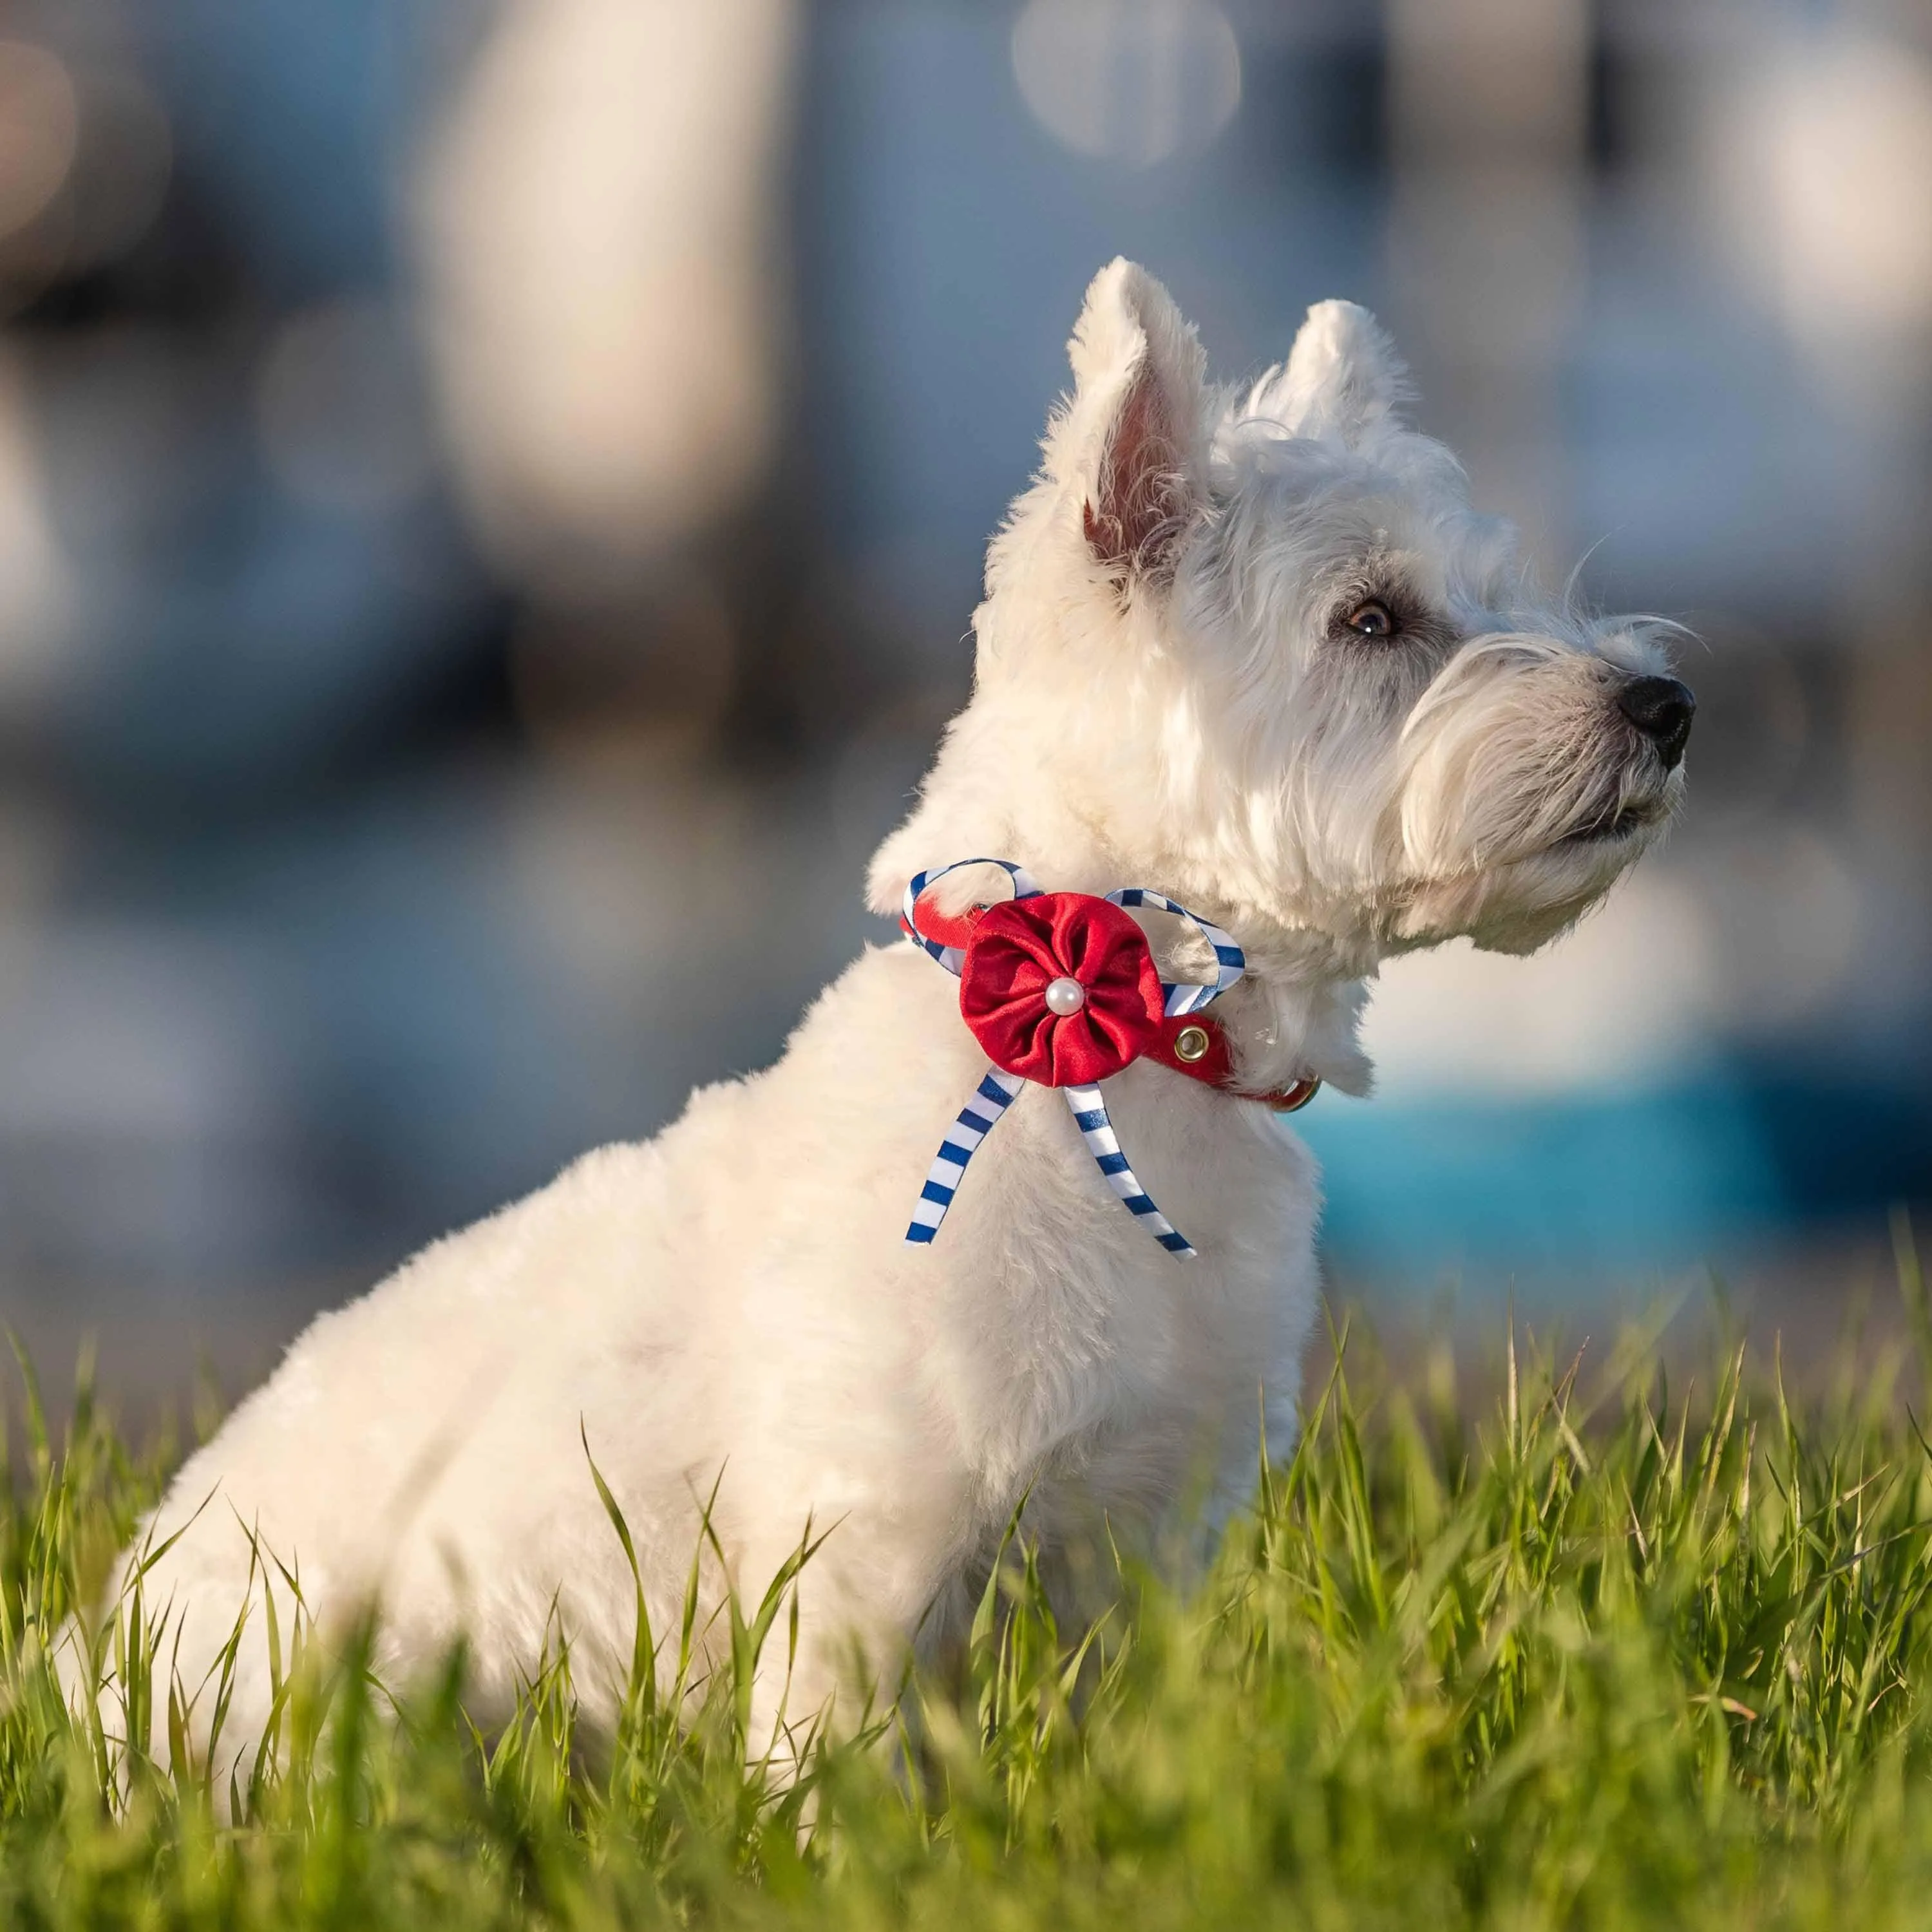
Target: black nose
[1662, 709]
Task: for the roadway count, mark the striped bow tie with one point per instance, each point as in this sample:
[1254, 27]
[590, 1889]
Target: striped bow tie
[1060, 988]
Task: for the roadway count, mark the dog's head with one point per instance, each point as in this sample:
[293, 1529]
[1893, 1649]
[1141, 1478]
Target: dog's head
[1258, 647]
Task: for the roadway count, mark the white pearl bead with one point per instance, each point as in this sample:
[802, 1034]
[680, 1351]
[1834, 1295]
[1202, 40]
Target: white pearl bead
[1065, 996]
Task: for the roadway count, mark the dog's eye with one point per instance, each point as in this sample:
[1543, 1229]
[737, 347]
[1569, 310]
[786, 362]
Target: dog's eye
[1373, 619]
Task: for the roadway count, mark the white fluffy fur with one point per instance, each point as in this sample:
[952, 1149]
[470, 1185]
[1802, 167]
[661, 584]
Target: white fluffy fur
[731, 1305]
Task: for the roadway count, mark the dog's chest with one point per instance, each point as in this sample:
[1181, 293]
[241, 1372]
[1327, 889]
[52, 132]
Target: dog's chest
[1074, 1333]
[1044, 1327]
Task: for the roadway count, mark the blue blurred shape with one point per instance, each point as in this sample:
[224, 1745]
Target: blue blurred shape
[1610, 1184]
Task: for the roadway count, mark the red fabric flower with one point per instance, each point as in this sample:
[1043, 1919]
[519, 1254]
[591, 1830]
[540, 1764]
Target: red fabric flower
[1019, 947]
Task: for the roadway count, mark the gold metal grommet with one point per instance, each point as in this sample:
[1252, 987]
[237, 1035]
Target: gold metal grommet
[1192, 1043]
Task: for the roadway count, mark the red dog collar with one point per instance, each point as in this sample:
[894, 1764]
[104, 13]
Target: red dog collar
[1194, 1044]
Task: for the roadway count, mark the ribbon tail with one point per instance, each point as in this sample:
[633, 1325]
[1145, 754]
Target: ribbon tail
[1089, 1115]
[977, 1119]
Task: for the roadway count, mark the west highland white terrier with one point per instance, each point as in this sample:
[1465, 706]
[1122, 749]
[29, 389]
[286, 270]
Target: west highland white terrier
[1251, 655]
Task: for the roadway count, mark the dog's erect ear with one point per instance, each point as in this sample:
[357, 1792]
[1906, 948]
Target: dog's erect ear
[1342, 377]
[1132, 438]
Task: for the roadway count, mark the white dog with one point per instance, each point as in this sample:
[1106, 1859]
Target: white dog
[1254, 652]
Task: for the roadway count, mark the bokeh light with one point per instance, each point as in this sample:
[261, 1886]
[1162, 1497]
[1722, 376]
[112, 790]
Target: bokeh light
[1133, 81]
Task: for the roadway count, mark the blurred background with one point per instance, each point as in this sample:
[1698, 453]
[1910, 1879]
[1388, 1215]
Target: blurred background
[488, 491]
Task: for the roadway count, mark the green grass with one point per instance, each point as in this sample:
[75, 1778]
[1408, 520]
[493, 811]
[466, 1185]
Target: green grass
[1603, 1651]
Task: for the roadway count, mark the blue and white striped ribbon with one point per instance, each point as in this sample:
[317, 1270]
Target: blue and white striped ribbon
[998, 1090]
[977, 1118]
[953, 958]
[1090, 1116]
[1230, 961]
